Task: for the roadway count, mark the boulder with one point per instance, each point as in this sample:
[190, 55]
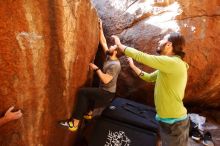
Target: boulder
[46, 47]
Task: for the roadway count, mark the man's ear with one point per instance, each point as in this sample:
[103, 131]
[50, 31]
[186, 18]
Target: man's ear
[169, 47]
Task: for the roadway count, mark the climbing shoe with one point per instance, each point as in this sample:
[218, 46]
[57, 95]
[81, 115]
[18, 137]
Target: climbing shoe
[88, 117]
[69, 125]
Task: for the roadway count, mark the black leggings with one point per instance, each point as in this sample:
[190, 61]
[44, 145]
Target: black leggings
[90, 98]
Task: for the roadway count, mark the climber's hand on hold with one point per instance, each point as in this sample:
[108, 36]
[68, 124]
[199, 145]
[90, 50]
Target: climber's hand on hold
[93, 66]
[10, 115]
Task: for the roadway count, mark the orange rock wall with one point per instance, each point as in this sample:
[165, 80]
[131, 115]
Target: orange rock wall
[45, 49]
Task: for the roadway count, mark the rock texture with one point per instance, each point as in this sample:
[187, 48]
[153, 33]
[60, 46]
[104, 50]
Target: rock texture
[45, 49]
[141, 24]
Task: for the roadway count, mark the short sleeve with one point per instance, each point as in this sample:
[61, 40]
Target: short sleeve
[112, 70]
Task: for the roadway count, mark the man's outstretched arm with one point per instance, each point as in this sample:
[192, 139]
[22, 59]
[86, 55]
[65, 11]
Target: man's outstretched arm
[161, 63]
[102, 38]
[10, 116]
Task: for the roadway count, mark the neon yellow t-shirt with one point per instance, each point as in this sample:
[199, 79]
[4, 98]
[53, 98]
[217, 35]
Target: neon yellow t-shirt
[170, 77]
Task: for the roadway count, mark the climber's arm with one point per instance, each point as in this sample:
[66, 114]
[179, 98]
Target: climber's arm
[102, 38]
[10, 116]
[104, 77]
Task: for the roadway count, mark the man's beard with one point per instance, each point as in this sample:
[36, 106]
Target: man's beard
[160, 49]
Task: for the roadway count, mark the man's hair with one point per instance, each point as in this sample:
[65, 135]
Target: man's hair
[178, 42]
[109, 53]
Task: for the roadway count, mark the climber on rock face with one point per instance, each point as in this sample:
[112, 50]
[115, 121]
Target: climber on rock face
[171, 78]
[89, 98]
[10, 116]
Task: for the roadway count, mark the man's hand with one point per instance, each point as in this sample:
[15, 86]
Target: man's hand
[133, 67]
[92, 66]
[10, 116]
[117, 40]
[112, 49]
[130, 62]
[118, 43]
